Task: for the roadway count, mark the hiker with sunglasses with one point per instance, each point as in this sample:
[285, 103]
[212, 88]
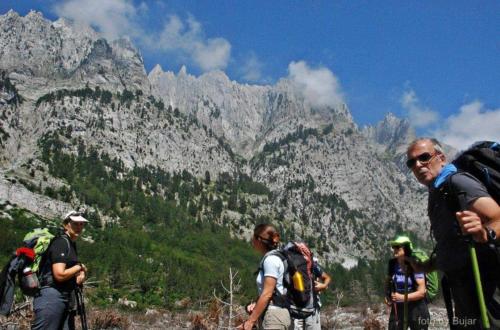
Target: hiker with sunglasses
[459, 208]
[266, 313]
[60, 274]
[405, 290]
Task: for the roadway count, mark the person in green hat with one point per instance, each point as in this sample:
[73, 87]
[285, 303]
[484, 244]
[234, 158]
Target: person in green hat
[403, 287]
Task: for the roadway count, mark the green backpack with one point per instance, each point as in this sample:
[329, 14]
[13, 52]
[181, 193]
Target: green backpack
[29, 258]
[431, 279]
[39, 240]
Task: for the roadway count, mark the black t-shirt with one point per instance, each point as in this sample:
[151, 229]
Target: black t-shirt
[451, 250]
[62, 250]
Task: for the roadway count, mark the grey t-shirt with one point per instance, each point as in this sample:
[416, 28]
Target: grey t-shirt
[451, 249]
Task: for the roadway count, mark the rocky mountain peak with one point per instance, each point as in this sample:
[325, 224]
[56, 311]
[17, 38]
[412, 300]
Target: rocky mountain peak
[34, 15]
[392, 134]
[183, 72]
[323, 177]
[247, 116]
[64, 53]
[11, 13]
[156, 71]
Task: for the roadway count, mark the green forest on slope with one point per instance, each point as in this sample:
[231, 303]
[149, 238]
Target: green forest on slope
[170, 242]
[161, 266]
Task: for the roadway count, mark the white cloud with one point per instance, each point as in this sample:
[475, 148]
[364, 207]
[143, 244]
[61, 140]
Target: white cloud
[118, 18]
[187, 38]
[419, 115]
[473, 123]
[251, 70]
[113, 18]
[212, 54]
[319, 86]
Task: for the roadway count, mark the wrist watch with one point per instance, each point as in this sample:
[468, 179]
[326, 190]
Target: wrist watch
[491, 235]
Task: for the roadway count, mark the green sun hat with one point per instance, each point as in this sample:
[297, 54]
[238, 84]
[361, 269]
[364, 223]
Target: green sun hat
[402, 240]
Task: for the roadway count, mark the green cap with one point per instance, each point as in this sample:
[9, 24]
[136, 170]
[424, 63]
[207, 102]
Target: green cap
[402, 240]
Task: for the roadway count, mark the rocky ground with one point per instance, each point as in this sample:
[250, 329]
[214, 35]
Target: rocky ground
[375, 317]
[371, 318]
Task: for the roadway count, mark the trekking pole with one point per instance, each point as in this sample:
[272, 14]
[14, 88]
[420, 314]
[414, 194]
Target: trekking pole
[479, 286]
[475, 270]
[81, 307]
[405, 304]
[394, 304]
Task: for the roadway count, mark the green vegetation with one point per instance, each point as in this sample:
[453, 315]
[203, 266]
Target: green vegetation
[301, 134]
[172, 240]
[362, 284]
[158, 265]
[104, 97]
[153, 266]
[272, 152]
[86, 92]
[161, 265]
[167, 245]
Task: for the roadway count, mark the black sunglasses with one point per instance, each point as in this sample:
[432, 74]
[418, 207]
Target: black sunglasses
[396, 247]
[260, 238]
[422, 158]
[266, 241]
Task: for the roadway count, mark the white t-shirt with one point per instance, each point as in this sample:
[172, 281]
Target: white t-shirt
[273, 267]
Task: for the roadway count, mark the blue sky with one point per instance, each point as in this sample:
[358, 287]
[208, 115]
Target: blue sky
[435, 62]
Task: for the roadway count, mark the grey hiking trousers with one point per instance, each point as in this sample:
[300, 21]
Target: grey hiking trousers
[52, 311]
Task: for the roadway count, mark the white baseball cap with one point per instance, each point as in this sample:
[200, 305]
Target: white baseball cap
[75, 216]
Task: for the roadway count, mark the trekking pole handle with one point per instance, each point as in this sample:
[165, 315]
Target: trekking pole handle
[463, 207]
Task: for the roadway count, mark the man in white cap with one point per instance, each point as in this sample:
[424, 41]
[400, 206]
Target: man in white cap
[60, 274]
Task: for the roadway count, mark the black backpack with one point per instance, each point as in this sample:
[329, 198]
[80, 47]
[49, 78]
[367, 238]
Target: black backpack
[299, 299]
[482, 161]
[28, 266]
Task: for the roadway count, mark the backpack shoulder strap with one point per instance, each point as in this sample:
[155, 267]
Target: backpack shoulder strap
[43, 260]
[277, 299]
[390, 267]
[67, 243]
[63, 236]
[456, 197]
[276, 252]
[451, 195]
[414, 280]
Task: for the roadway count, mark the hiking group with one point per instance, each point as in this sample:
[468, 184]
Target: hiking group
[464, 213]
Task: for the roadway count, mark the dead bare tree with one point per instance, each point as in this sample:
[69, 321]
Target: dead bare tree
[333, 319]
[234, 287]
